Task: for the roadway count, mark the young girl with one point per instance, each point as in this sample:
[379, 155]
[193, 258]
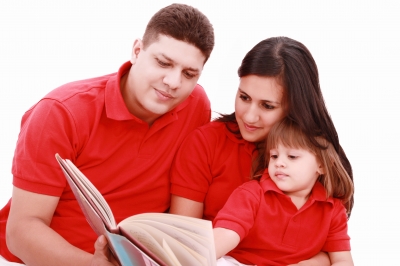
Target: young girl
[293, 210]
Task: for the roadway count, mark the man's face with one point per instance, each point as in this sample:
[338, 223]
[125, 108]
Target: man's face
[162, 76]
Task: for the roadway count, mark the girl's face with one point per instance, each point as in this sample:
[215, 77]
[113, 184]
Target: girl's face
[294, 171]
[258, 106]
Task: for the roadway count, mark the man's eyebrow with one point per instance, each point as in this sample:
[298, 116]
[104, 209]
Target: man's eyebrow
[188, 68]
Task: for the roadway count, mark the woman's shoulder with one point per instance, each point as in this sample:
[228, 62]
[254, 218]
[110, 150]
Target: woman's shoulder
[215, 128]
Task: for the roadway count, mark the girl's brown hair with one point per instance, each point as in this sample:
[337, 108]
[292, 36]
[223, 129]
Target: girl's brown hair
[335, 179]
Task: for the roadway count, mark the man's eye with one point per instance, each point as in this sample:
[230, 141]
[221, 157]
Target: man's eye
[189, 75]
[162, 63]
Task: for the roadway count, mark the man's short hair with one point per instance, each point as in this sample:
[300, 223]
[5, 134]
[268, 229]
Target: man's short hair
[184, 23]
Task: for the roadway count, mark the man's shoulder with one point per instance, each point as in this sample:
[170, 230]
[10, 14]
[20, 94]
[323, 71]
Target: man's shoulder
[196, 108]
[199, 94]
[86, 87]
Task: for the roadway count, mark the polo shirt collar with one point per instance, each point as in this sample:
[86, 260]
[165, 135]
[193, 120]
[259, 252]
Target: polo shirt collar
[318, 193]
[249, 146]
[114, 103]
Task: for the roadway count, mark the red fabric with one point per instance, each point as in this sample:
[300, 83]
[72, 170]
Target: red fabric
[274, 232]
[88, 123]
[210, 164]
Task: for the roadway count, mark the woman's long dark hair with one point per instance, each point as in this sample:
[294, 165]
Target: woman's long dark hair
[294, 67]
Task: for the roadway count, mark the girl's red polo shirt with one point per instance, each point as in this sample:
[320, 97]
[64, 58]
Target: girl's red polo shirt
[274, 232]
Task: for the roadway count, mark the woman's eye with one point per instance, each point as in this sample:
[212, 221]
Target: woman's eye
[244, 97]
[267, 106]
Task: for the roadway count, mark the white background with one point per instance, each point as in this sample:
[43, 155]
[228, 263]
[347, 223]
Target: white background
[45, 44]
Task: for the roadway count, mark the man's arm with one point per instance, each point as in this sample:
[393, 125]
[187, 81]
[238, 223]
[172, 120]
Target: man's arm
[186, 207]
[29, 236]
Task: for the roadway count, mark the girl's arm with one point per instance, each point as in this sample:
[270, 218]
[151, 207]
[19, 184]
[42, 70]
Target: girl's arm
[225, 240]
[342, 258]
[321, 259]
[187, 207]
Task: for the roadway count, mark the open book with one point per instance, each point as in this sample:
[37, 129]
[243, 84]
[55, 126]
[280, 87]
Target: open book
[143, 239]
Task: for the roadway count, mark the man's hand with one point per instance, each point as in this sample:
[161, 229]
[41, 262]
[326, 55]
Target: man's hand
[102, 255]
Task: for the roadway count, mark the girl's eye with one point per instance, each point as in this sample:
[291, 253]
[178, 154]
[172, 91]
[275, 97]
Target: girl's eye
[162, 63]
[273, 156]
[268, 106]
[244, 97]
[292, 157]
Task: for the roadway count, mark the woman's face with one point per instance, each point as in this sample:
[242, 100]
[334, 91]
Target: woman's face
[258, 106]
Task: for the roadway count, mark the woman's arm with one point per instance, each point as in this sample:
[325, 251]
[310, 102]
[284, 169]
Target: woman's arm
[187, 207]
[342, 258]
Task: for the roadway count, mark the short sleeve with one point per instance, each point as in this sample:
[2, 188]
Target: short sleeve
[46, 129]
[240, 211]
[190, 173]
[338, 239]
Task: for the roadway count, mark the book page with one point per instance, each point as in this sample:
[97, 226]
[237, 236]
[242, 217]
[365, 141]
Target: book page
[78, 182]
[195, 225]
[94, 194]
[170, 253]
[201, 259]
[184, 257]
[127, 253]
[197, 243]
[146, 239]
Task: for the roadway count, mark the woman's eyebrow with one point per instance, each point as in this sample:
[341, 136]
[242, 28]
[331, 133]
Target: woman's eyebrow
[267, 101]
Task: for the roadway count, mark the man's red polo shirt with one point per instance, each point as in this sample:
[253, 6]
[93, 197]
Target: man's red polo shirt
[274, 232]
[216, 163]
[87, 122]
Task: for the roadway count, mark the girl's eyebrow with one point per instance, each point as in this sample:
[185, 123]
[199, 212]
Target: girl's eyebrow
[266, 101]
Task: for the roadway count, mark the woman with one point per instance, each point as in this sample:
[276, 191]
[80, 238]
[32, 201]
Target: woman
[278, 78]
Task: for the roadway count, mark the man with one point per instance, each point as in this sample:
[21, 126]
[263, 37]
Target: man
[121, 130]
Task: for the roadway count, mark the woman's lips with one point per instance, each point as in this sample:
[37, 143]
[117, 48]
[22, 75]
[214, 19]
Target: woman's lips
[249, 127]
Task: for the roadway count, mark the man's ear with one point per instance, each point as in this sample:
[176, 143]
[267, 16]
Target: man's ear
[136, 49]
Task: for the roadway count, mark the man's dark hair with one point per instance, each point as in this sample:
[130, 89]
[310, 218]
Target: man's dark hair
[184, 23]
